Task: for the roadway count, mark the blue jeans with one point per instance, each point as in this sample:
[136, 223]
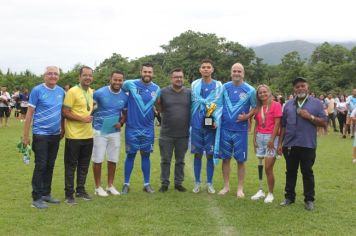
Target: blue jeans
[45, 148]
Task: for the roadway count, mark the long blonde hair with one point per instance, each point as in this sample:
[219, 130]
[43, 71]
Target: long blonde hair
[259, 102]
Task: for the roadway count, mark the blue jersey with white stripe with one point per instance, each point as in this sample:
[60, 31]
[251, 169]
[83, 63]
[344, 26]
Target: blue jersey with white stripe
[198, 116]
[47, 103]
[142, 98]
[237, 100]
[109, 105]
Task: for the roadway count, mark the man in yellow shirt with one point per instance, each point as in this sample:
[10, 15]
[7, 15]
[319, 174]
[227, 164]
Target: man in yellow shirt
[77, 109]
[330, 102]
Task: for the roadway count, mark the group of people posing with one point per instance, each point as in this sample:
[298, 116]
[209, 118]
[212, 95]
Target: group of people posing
[210, 117]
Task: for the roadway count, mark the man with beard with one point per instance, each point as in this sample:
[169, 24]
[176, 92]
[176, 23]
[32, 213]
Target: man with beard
[139, 132]
[239, 101]
[77, 109]
[108, 118]
[298, 141]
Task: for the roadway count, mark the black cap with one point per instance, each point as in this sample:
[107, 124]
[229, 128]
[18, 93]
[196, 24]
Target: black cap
[299, 79]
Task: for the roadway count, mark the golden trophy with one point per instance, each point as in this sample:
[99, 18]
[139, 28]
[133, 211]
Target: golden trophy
[209, 120]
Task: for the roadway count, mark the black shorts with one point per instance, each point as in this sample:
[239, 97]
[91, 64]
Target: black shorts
[4, 111]
[23, 110]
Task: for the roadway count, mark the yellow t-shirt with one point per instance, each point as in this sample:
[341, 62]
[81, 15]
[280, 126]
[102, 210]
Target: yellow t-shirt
[79, 100]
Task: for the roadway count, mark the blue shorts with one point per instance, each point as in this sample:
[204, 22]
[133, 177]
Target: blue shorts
[233, 143]
[262, 141]
[202, 140]
[139, 139]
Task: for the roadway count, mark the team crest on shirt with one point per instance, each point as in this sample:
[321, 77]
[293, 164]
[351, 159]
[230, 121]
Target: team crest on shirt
[153, 94]
[44, 96]
[242, 95]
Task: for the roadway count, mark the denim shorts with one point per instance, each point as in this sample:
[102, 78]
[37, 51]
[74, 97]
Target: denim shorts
[262, 141]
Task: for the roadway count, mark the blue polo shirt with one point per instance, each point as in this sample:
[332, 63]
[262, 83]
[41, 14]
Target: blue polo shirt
[300, 132]
[47, 103]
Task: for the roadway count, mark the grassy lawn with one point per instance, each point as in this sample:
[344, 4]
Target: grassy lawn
[175, 213]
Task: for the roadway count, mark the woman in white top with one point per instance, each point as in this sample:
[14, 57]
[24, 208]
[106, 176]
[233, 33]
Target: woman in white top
[341, 115]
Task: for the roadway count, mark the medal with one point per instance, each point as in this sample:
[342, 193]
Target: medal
[300, 105]
[263, 116]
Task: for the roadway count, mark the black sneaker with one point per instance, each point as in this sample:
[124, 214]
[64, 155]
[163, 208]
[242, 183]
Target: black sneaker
[148, 189]
[70, 201]
[84, 195]
[125, 189]
[164, 188]
[309, 205]
[180, 188]
[50, 199]
[286, 202]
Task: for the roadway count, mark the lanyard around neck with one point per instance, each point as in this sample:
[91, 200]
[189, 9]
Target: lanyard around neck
[263, 115]
[85, 94]
[300, 105]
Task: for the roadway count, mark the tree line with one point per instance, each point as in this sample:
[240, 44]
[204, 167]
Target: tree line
[330, 69]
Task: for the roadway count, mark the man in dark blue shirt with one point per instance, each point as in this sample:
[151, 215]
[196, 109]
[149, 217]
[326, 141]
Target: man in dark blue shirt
[301, 116]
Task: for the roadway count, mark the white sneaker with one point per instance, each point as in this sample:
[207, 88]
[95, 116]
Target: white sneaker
[210, 188]
[196, 188]
[100, 192]
[260, 194]
[269, 198]
[112, 190]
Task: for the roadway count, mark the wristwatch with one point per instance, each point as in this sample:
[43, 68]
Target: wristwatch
[312, 118]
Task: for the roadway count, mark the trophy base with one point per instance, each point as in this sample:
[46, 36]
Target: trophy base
[209, 122]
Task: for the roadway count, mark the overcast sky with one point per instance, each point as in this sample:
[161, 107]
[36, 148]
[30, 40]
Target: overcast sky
[37, 33]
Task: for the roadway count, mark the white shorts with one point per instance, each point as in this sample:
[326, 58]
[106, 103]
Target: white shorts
[108, 144]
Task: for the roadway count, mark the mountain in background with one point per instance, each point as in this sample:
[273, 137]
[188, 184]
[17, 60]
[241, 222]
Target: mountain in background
[272, 53]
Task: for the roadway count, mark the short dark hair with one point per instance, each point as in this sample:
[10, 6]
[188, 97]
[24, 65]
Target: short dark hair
[207, 60]
[117, 72]
[175, 70]
[147, 64]
[84, 67]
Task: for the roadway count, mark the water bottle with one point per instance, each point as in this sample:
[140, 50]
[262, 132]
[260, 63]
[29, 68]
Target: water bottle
[26, 159]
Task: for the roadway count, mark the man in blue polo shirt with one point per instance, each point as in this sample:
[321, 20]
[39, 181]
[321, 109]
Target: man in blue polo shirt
[301, 117]
[45, 104]
[108, 118]
[139, 132]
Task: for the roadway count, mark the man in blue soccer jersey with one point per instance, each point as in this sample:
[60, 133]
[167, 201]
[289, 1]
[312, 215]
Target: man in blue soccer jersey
[239, 101]
[206, 92]
[45, 106]
[139, 133]
[108, 118]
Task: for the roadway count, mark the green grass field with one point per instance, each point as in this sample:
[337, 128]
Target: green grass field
[175, 213]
